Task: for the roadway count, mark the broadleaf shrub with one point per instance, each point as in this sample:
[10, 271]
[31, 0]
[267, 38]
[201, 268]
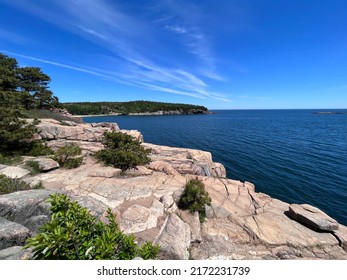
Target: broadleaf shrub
[74, 234]
[194, 198]
[122, 151]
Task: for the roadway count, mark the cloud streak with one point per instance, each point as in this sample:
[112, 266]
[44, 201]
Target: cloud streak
[139, 54]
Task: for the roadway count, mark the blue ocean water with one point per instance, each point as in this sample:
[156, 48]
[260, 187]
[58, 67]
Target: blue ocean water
[293, 155]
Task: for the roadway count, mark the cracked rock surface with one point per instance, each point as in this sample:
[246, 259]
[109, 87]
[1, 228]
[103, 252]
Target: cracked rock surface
[240, 223]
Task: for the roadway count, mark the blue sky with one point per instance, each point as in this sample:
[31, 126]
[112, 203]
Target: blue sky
[234, 54]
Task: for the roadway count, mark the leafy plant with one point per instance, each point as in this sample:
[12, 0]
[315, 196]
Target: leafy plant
[74, 234]
[194, 198]
[40, 149]
[122, 151]
[67, 156]
[9, 185]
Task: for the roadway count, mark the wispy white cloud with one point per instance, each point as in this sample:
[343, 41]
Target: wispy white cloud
[139, 52]
[176, 29]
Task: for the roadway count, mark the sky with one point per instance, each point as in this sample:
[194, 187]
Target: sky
[235, 54]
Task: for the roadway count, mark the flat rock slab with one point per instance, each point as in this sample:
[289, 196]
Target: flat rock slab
[12, 234]
[312, 217]
[14, 172]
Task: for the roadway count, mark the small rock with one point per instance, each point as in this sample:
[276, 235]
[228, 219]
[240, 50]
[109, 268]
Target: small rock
[12, 234]
[169, 203]
[312, 217]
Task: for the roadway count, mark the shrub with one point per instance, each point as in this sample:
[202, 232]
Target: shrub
[40, 149]
[67, 156]
[74, 234]
[122, 151]
[9, 185]
[194, 198]
[33, 166]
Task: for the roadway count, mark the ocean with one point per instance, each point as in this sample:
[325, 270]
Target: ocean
[293, 155]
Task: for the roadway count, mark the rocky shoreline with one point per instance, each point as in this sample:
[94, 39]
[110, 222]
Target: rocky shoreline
[241, 223]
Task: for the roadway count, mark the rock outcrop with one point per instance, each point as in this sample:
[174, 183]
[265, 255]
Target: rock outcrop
[240, 223]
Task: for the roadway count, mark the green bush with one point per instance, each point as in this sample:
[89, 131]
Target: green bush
[67, 156]
[39, 149]
[9, 185]
[122, 151]
[74, 234]
[33, 166]
[194, 198]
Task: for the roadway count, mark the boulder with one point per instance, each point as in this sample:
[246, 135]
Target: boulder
[174, 239]
[169, 203]
[15, 253]
[21, 207]
[12, 234]
[45, 164]
[312, 217]
[14, 172]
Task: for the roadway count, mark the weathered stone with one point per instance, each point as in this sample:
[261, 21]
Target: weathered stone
[12, 234]
[313, 217]
[14, 172]
[107, 172]
[15, 253]
[249, 186]
[139, 218]
[22, 206]
[341, 234]
[96, 207]
[217, 170]
[45, 164]
[136, 218]
[194, 223]
[174, 240]
[139, 171]
[169, 203]
[163, 167]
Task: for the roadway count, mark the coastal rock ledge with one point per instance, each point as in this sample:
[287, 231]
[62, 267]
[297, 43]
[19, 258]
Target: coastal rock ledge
[240, 223]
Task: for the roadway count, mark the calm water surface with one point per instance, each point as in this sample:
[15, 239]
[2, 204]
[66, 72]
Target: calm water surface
[292, 155]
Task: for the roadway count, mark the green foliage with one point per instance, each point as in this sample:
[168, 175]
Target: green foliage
[24, 87]
[33, 166]
[122, 151]
[74, 234]
[9, 185]
[39, 149]
[67, 156]
[194, 198]
[15, 133]
[94, 108]
[10, 160]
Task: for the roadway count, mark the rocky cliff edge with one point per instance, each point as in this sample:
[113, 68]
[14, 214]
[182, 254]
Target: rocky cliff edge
[241, 223]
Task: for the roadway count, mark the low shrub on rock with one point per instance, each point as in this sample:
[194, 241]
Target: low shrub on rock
[122, 151]
[9, 185]
[194, 198]
[74, 234]
[67, 156]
